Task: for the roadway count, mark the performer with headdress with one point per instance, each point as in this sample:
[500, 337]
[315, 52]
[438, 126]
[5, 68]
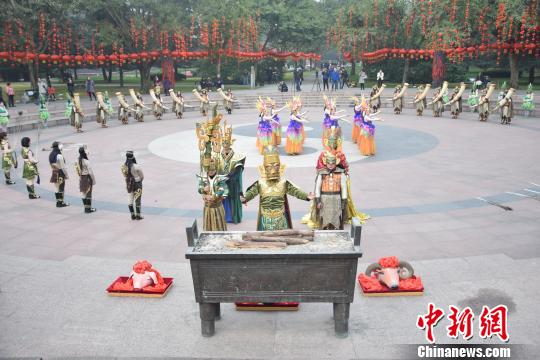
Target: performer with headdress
[366, 142]
[204, 100]
[528, 101]
[134, 177]
[455, 101]
[59, 173]
[233, 167]
[276, 122]
[123, 108]
[472, 101]
[157, 107]
[397, 99]
[331, 120]
[87, 179]
[228, 100]
[357, 119]
[102, 110]
[77, 114]
[9, 159]
[139, 105]
[178, 103]
[420, 98]
[4, 117]
[331, 194]
[213, 188]
[274, 213]
[30, 170]
[295, 131]
[264, 128]
[375, 97]
[43, 110]
[506, 104]
[483, 102]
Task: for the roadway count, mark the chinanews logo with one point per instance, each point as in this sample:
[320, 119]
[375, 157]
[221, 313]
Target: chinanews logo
[461, 324]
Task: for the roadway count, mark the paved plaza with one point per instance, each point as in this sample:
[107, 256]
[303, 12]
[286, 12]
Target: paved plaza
[432, 192]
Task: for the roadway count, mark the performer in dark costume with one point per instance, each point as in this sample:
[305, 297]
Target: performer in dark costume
[59, 173]
[134, 178]
[87, 179]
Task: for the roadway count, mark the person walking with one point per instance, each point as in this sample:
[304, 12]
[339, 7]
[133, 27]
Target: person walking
[335, 79]
[91, 88]
[362, 79]
[134, 177]
[70, 87]
[11, 95]
[343, 75]
[380, 78]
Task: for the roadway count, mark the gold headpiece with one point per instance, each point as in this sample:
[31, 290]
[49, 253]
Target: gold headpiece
[270, 155]
[209, 164]
[261, 106]
[270, 101]
[272, 168]
[330, 104]
[295, 104]
[227, 135]
[329, 156]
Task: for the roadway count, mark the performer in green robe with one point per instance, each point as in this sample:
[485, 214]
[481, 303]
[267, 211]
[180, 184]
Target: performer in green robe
[4, 117]
[274, 213]
[43, 110]
[9, 159]
[528, 101]
[233, 167]
[30, 170]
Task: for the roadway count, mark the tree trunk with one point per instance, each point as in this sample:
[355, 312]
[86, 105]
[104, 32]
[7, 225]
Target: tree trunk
[110, 74]
[104, 73]
[514, 71]
[121, 71]
[437, 70]
[406, 70]
[32, 75]
[531, 75]
[146, 82]
[218, 67]
[353, 67]
[75, 73]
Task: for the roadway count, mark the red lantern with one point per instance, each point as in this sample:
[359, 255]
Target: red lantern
[79, 59]
[113, 58]
[482, 48]
[30, 57]
[165, 52]
[101, 59]
[55, 58]
[42, 57]
[154, 55]
[530, 47]
[134, 57]
[144, 55]
[402, 52]
[66, 59]
[90, 58]
[518, 47]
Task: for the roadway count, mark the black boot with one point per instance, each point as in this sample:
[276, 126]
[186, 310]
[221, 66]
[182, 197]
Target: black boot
[138, 213]
[8, 179]
[133, 217]
[60, 200]
[88, 206]
[31, 192]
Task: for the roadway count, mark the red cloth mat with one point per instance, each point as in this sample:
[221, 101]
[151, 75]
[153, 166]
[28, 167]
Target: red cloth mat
[370, 284]
[122, 285]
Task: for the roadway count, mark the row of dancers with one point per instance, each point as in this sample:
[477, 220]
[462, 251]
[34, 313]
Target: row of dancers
[269, 127]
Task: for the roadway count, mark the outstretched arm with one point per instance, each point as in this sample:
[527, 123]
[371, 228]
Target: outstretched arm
[251, 192]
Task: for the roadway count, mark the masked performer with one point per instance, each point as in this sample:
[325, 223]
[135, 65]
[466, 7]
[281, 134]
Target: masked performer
[455, 101]
[43, 110]
[420, 98]
[134, 177]
[77, 114]
[295, 131]
[30, 170]
[213, 188]
[264, 128]
[86, 179]
[397, 100]
[139, 105]
[228, 100]
[59, 173]
[9, 159]
[483, 102]
[331, 194]
[204, 100]
[528, 101]
[272, 189]
[102, 110]
[233, 167]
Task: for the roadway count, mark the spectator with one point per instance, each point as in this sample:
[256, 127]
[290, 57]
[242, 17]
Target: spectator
[301, 74]
[1, 96]
[166, 86]
[219, 83]
[91, 88]
[297, 80]
[70, 86]
[316, 73]
[42, 88]
[51, 91]
[11, 95]
[325, 76]
[282, 87]
[335, 79]
[344, 76]
[362, 79]
[380, 78]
